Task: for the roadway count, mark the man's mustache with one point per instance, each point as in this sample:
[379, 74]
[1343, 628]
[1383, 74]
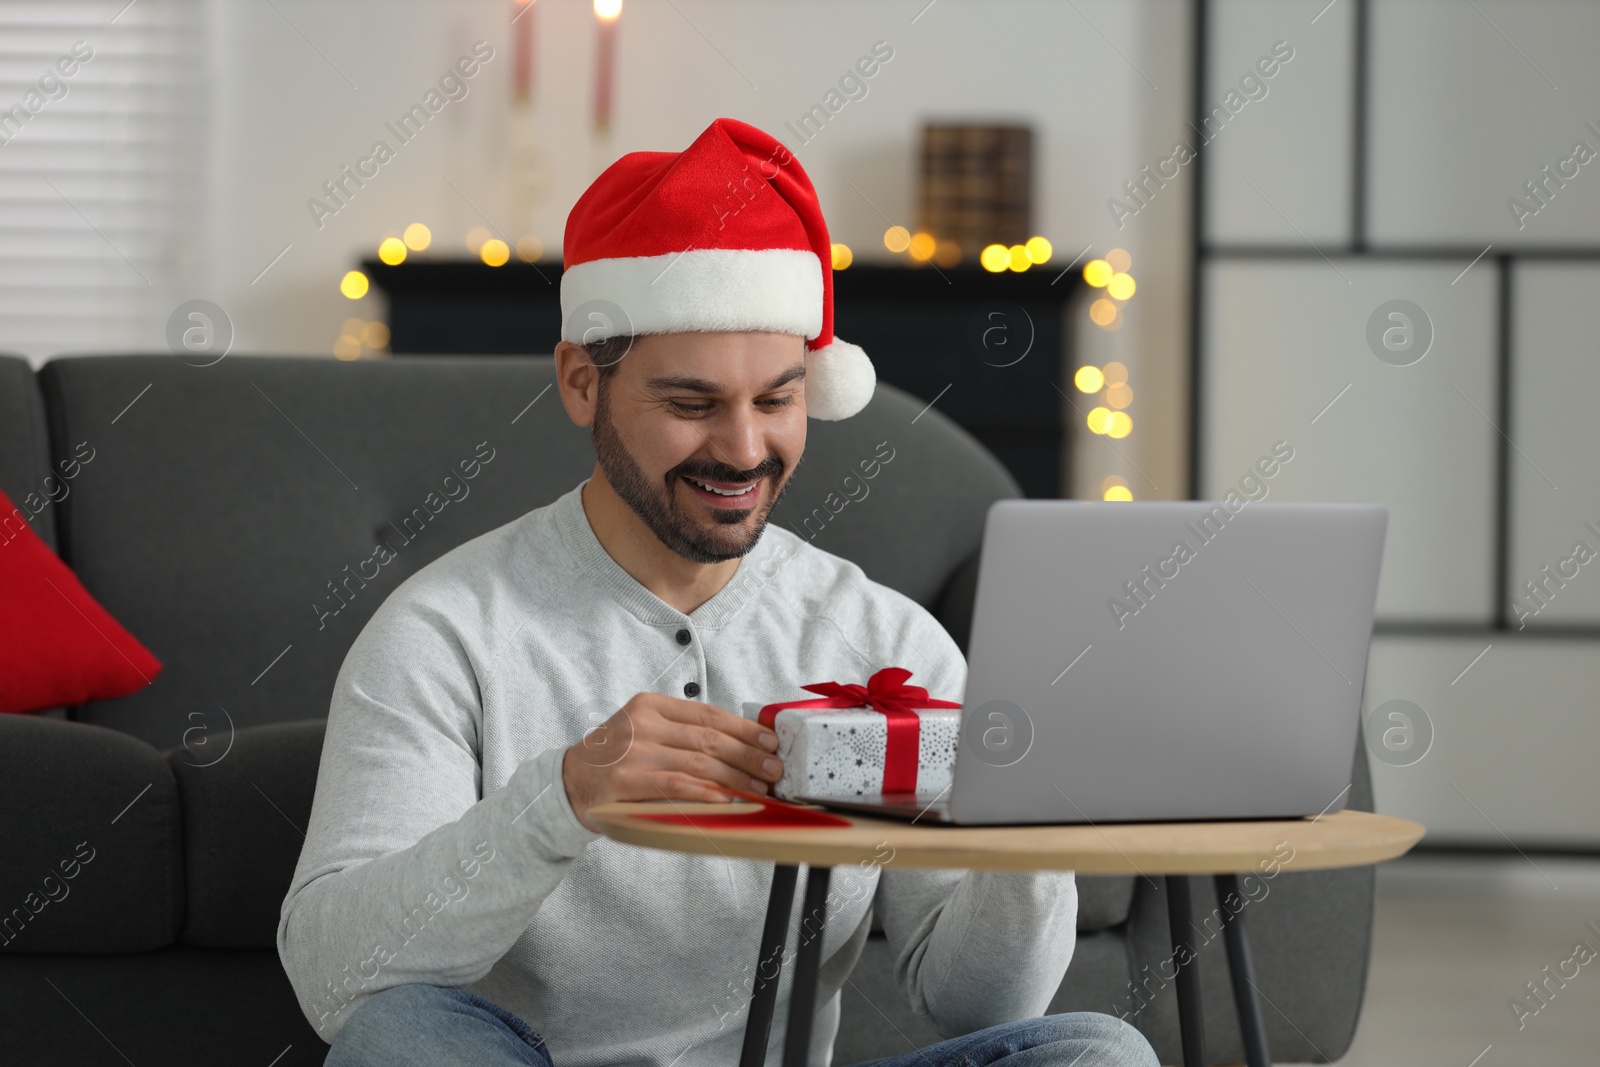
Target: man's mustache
[715, 472]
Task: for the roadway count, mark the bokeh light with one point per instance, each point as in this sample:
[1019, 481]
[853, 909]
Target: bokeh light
[897, 239]
[1039, 250]
[1097, 272]
[375, 335]
[947, 253]
[353, 284]
[995, 258]
[417, 237]
[1119, 259]
[922, 246]
[607, 9]
[1119, 395]
[529, 248]
[1116, 372]
[1118, 424]
[495, 252]
[842, 256]
[475, 238]
[1102, 311]
[1017, 258]
[1098, 420]
[1089, 379]
[1120, 286]
[1119, 493]
[392, 251]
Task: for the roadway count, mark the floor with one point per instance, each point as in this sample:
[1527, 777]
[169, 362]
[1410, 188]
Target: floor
[1458, 938]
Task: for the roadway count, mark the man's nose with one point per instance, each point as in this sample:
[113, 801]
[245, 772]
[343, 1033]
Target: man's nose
[736, 440]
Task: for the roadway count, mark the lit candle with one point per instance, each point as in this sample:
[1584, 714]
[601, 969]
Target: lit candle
[522, 48]
[606, 11]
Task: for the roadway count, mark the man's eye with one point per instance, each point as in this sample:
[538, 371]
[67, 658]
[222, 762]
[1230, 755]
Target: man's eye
[689, 409]
[779, 401]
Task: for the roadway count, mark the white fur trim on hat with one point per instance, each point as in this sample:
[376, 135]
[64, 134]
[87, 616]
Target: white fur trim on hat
[712, 289]
[839, 381]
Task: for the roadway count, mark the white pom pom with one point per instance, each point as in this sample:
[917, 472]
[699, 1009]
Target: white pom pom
[839, 381]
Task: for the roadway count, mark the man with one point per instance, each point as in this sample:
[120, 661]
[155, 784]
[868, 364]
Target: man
[452, 902]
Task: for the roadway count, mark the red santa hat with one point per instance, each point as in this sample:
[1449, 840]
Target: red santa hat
[725, 235]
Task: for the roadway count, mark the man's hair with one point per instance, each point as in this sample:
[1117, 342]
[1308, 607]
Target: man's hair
[607, 355]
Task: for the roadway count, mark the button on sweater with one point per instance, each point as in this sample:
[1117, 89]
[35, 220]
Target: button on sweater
[442, 848]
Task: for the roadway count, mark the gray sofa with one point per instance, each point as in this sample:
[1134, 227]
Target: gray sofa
[221, 509]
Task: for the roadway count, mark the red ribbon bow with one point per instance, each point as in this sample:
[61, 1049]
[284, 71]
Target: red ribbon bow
[885, 692]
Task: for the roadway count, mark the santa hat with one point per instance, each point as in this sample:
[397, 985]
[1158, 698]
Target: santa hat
[725, 235]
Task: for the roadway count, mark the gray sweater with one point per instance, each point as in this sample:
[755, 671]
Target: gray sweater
[442, 848]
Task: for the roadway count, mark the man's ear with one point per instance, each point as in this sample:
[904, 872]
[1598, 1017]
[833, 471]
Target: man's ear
[578, 381]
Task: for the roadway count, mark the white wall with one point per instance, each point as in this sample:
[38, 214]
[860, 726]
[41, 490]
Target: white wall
[1466, 102]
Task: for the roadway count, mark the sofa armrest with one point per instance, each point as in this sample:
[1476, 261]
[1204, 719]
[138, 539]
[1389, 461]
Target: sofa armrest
[91, 839]
[246, 801]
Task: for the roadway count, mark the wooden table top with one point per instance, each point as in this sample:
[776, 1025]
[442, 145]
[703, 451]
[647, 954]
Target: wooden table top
[1342, 839]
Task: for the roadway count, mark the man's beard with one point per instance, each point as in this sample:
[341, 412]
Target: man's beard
[657, 505]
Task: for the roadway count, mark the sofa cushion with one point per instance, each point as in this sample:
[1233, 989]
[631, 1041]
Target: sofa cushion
[230, 520]
[246, 800]
[57, 644]
[175, 1005]
[91, 840]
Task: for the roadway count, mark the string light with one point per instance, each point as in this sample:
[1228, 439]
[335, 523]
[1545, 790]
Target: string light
[417, 237]
[995, 258]
[1121, 286]
[475, 239]
[392, 251]
[353, 285]
[1102, 312]
[1017, 258]
[1097, 272]
[1118, 493]
[495, 252]
[897, 239]
[1039, 250]
[1119, 395]
[842, 257]
[922, 246]
[529, 248]
[947, 253]
[1089, 379]
[1099, 420]
[1119, 260]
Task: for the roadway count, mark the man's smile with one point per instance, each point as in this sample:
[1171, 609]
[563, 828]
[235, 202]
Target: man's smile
[728, 495]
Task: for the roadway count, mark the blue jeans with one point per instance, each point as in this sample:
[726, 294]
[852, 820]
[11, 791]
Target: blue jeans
[434, 1026]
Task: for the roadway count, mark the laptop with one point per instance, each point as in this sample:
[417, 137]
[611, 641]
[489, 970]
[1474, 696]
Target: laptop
[1137, 662]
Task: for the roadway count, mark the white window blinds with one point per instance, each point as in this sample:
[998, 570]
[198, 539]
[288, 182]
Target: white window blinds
[102, 134]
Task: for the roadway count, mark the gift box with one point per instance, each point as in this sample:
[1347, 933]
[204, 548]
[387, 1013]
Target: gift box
[853, 740]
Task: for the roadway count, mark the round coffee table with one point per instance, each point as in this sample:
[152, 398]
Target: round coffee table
[1174, 850]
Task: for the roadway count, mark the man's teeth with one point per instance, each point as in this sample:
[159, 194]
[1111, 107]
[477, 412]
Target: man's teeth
[723, 492]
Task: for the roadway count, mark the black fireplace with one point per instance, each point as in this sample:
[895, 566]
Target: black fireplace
[989, 350]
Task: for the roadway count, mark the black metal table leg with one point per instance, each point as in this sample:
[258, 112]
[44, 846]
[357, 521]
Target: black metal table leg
[774, 937]
[808, 961]
[1242, 972]
[1191, 1023]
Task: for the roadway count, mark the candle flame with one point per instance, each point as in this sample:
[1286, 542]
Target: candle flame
[607, 10]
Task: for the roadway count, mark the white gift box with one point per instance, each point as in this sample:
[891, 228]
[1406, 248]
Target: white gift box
[840, 751]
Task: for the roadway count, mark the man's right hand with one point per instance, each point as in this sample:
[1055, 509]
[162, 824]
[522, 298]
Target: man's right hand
[662, 748]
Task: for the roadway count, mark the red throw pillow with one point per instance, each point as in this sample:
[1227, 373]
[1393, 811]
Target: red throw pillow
[57, 644]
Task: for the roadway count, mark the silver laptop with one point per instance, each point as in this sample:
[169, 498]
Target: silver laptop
[1160, 661]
